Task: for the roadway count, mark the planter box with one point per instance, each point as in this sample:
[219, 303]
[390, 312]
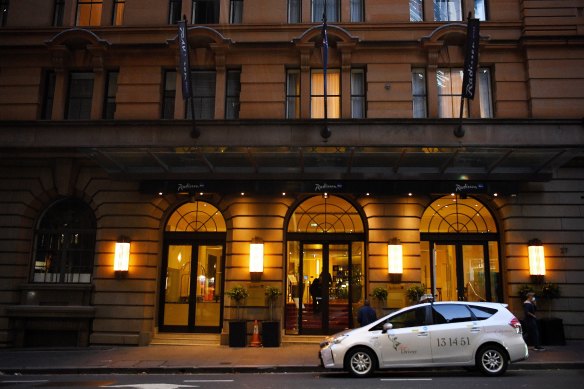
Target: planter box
[237, 333]
[271, 333]
[552, 332]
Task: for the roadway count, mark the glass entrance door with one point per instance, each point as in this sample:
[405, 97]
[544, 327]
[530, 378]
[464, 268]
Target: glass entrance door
[192, 297]
[325, 287]
[463, 271]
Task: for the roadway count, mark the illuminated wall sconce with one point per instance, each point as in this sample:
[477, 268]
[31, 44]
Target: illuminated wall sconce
[122, 257]
[256, 259]
[536, 260]
[395, 264]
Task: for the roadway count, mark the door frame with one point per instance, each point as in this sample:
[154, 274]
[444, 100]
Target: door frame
[195, 240]
[460, 240]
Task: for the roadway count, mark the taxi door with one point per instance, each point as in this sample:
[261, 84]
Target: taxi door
[408, 342]
[454, 333]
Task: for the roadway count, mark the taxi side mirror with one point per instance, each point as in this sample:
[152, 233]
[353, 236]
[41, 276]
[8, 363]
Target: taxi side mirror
[386, 327]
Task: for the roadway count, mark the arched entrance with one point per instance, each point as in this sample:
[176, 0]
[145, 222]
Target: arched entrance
[325, 266]
[459, 236]
[191, 283]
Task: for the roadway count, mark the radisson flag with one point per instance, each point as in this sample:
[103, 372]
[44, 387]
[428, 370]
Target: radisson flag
[185, 67]
[471, 59]
[324, 58]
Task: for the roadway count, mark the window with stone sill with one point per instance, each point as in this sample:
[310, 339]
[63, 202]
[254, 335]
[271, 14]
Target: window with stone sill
[89, 12]
[447, 10]
[65, 244]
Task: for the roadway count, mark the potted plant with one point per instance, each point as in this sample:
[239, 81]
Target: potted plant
[271, 328]
[379, 294]
[237, 327]
[523, 290]
[415, 292]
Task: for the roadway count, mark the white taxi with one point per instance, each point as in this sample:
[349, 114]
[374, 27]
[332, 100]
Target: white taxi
[485, 335]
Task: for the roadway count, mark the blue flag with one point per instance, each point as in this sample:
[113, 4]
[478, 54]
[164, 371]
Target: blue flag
[185, 67]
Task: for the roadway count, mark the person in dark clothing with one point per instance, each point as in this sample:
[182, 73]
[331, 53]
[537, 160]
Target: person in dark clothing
[530, 320]
[314, 290]
[366, 314]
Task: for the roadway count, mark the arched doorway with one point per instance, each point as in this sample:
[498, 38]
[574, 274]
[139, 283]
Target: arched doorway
[325, 266]
[460, 250]
[191, 283]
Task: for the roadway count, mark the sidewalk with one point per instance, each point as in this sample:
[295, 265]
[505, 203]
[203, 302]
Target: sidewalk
[198, 359]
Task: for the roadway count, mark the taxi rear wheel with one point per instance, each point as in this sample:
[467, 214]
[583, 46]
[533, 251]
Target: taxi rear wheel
[492, 360]
[361, 362]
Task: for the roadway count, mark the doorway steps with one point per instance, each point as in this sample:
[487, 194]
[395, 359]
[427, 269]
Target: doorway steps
[185, 339]
[301, 339]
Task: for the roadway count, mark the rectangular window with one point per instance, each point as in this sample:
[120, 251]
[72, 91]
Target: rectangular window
[480, 10]
[485, 95]
[118, 15]
[174, 11]
[293, 94]
[3, 12]
[48, 95]
[357, 11]
[419, 94]
[357, 93]
[169, 94]
[332, 11]
[80, 95]
[205, 12]
[333, 100]
[203, 94]
[416, 10]
[89, 12]
[58, 13]
[111, 90]
[235, 11]
[232, 94]
[449, 83]
[294, 11]
[447, 10]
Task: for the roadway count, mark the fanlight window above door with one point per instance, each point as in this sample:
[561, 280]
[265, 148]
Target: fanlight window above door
[451, 214]
[197, 216]
[326, 214]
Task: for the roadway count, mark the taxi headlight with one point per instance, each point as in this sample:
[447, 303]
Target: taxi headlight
[339, 339]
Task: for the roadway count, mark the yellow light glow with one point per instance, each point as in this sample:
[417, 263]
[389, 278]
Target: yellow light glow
[256, 258]
[395, 259]
[536, 260]
[122, 256]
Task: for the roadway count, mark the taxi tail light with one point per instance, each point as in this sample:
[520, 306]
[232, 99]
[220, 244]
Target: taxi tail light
[516, 324]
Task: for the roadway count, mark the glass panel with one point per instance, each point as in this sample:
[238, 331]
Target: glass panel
[494, 271]
[89, 13]
[357, 93]
[111, 92]
[197, 216]
[357, 279]
[331, 214]
[294, 11]
[236, 11]
[419, 93]
[486, 100]
[293, 94]
[452, 214]
[232, 95]
[118, 17]
[446, 272]
[332, 10]
[447, 10]
[356, 10]
[293, 289]
[203, 95]
[333, 79]
[314, 291]
[59, 12]
[480, 11]
[473, 262]
[177, 286]
[416, 10]
[205, 12]
[174, 13]
[80, 96]
[169, 94]
[208, 291]
[340, 293]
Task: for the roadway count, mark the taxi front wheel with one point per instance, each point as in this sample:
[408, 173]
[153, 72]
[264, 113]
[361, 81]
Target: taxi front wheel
[361, 362]
[492, 360]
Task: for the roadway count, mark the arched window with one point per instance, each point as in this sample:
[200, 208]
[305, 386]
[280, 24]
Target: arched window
[197, 216]
[451, 214]
[65, 244]
[325, 214]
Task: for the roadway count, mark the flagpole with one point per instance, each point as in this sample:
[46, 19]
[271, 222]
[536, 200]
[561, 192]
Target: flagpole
[325, 132]
[187, 84]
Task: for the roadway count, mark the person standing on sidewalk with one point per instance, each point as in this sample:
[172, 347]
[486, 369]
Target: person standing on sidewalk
[366, 314]
[529, 308]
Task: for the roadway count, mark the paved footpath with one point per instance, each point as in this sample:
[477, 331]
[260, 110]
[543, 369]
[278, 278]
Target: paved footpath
[196, 359]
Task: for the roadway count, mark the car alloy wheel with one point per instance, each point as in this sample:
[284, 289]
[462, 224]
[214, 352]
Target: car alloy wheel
[492, 360]
[361, 362]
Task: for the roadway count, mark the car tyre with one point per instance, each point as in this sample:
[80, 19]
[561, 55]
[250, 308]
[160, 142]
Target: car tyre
[492, 360]
[361, 362]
